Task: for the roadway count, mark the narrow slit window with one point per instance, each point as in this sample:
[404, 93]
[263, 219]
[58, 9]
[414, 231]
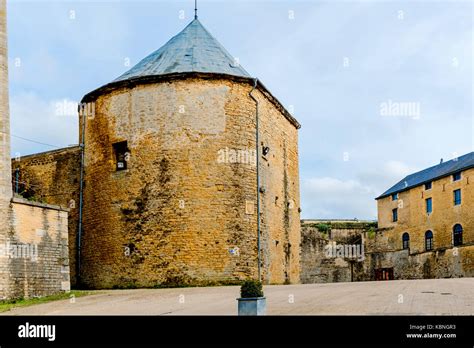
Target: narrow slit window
[429, 205]
[457, 197]
[121, 155]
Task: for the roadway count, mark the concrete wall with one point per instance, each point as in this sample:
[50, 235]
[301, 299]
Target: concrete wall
[53, 177]
[35, 256]
[180, 209]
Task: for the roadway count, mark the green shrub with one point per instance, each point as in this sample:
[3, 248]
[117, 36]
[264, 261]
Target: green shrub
[323, 228]
[371, 233]
[251, 288]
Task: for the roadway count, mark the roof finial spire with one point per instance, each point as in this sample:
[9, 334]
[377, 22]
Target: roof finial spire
[195, 9]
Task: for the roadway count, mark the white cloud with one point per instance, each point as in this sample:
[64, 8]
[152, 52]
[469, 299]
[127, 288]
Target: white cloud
[332, 198]
[398, 169]
[37, 119]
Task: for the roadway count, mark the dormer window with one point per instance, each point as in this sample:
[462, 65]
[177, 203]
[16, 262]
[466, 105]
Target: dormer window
[121, 155]
[457, 176]
[428, 185]
[394, 196]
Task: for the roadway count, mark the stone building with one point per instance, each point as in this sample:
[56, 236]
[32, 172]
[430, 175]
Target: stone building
[424, 230]
[170, 169]
[33, 236]
[426, 224]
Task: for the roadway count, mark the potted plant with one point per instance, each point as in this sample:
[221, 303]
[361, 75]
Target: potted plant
[251, 301]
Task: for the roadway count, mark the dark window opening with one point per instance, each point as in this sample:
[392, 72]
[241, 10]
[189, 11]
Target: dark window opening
[121, 155]
[428, 185]
[457, 197]
[429, 240]
[395, 215]
[394, 196]
[457, 235]
[457, 176]
[406, 240]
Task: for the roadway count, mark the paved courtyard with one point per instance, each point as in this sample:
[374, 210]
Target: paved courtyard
[399, 297]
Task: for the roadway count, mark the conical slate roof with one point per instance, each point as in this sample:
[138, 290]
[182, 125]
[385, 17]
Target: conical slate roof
[193, 50]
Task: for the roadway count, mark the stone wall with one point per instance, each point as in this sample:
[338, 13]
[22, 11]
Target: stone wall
[184, 210]
[379, 253]
[441, 262]
[35, 254]
[53, 178]
[316, 235]
[5, 179]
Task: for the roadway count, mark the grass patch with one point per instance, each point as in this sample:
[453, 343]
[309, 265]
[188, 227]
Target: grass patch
[9, 304]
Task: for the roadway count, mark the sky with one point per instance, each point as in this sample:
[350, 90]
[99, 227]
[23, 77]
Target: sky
[382, 88]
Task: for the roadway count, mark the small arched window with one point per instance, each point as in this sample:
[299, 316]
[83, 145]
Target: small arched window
[406, 240]
[457, 235]
[428, 240]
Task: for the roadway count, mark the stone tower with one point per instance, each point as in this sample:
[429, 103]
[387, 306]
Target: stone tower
[170, 183]
[5, 164]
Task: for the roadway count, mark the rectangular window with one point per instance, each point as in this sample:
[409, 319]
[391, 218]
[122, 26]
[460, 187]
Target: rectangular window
[428, 185]
[457, 176]
[395, 215]
[429, 205]
[457, 197]
[121, 155]
[394, 196]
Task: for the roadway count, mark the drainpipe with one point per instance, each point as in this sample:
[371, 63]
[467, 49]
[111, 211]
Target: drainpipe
[258, 174]
[17, 179]
[81, 201]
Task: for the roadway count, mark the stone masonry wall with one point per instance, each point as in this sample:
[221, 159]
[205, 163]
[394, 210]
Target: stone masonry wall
[52, 177]
[316, 266]
[36, 251]
[5, 179]
[280, 194]
[380, 253]
[182, 212]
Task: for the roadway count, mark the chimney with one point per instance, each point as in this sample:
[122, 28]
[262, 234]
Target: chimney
[441, 161]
